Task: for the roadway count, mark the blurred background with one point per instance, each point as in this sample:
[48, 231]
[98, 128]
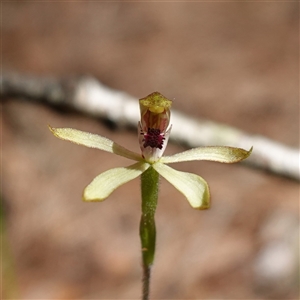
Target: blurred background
[230, 62]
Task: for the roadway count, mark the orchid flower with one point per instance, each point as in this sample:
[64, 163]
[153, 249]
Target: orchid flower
[154, 130]
[153, 138]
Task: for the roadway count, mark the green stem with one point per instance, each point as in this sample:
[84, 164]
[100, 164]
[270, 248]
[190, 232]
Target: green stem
[149, 183]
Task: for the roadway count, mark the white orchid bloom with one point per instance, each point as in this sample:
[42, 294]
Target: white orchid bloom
[153, 137]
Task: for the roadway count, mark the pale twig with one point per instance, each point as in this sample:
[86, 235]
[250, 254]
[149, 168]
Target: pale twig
[91, 97]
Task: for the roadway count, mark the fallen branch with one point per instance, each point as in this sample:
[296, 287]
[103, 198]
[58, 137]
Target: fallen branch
[89, 96]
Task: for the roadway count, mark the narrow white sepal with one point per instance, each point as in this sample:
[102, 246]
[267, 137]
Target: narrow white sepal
[105, 183]
[192, 186]
[214, 153]
[93, 141]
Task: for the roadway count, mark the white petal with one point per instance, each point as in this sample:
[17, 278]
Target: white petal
[192, 186]
[152, 155]
[218, 153]
[93, 141]
[105, 183]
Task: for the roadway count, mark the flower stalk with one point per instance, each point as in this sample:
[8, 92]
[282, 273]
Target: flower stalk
[149, 187]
